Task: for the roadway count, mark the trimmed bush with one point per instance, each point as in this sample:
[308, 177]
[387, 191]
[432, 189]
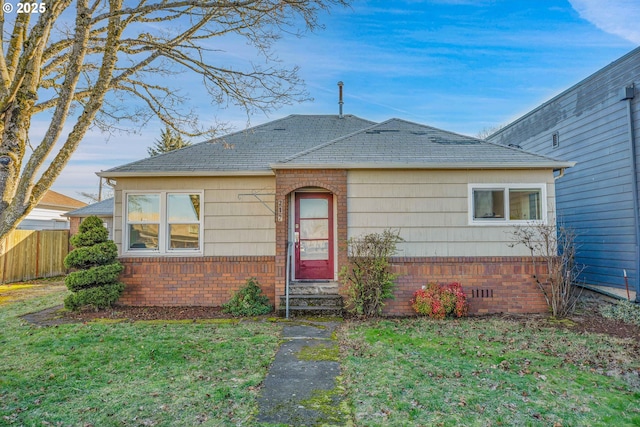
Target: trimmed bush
[95, 283]
[248, 301]
[89, 256]
[94, 276]
[99, 297]
[440, 301]
[90, 232]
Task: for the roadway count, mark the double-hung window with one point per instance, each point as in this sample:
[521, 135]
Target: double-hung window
[507, 203]
[163, 222]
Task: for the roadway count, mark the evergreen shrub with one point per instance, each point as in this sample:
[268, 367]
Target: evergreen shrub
[95, 281]
[248, 301]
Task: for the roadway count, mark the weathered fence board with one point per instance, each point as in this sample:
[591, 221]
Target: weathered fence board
[31, 254]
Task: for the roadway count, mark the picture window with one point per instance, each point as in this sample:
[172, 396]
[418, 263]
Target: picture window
[163, 222]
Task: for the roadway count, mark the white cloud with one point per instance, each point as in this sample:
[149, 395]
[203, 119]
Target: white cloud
[619, 17]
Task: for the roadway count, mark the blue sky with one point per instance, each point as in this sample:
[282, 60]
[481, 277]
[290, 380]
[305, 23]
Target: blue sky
[459, 65]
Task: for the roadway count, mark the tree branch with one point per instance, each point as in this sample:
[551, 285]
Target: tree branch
[93, 105]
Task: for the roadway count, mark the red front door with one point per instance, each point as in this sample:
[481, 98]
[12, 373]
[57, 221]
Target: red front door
[314, 236]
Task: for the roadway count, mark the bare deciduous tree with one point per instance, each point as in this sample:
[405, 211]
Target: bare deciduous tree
[488, 131]
[553, 252]
[77, 61]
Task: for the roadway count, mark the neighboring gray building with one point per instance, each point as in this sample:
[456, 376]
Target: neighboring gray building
[595, 123]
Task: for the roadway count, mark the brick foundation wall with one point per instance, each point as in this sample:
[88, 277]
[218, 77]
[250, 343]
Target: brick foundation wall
[492, 284]
[192, 281]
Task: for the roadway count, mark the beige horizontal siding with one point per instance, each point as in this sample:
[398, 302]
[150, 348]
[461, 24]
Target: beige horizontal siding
[234, 224]
[430, 208]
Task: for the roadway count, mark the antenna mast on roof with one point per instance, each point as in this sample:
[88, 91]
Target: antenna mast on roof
[340, 102]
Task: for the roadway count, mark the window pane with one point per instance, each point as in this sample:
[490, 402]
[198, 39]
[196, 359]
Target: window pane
[314, 229]
[183, 207]
[143, 208]
[488, 204]
[184, 236]
[143, 236]
[314, 208]
[314, 250]
[524, 204]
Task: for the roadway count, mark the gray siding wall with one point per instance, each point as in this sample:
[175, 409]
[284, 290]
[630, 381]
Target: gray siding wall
[594, 197]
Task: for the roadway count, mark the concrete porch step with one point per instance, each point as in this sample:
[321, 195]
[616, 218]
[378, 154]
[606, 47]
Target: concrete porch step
[314, 305]
[314, 288]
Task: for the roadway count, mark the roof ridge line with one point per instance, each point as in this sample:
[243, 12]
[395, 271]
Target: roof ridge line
[214, 140]
[328, 143]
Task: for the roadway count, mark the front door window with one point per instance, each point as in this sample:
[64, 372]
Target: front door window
[314, 236]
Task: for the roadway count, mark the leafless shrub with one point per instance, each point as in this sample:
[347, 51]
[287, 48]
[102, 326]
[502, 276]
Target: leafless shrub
[368, 276]
[555, 248]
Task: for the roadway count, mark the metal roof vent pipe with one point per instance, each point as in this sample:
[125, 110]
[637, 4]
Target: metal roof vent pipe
[340, 101]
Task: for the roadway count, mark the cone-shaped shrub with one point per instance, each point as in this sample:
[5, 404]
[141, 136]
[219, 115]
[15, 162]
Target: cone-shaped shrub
[95, 281]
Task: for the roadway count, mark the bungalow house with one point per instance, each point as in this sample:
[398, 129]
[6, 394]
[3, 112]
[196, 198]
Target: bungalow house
[597, 124]
[279, 201]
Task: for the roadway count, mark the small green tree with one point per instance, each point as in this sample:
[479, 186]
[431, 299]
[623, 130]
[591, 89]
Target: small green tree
[95, 281]
[169, 140]
[368, 277]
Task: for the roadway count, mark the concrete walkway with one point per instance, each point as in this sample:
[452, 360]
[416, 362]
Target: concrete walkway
[301, 387]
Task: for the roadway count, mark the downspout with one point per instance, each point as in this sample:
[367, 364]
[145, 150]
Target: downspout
[629, 94]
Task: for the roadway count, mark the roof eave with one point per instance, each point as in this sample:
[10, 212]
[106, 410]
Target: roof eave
[160, 174]
[444, 165]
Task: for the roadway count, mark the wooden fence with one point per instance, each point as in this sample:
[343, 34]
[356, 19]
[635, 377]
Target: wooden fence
[31, 254]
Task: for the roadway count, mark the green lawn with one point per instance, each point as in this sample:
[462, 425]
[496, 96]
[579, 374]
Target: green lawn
[471, 372]
[130, 374]
[485, 372]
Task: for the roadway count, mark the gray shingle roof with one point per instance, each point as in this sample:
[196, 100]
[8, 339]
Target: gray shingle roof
[103, 208]
[249, 150]
[399, 143]
[299, 141]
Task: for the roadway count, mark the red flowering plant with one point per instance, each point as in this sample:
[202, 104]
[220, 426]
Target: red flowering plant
[439, 301]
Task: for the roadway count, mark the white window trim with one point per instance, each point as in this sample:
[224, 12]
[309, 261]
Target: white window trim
[163, 230]
[506, 187]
